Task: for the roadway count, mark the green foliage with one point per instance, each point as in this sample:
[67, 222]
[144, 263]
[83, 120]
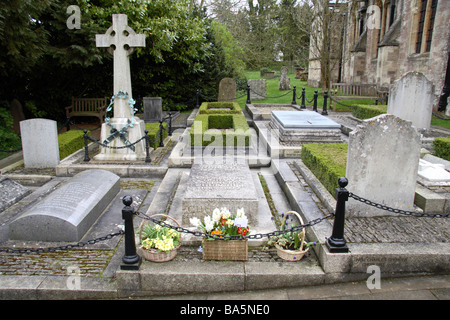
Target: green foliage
[327, 161]
[69, 142]
[205, 129]
[441, 147]
[153, 133]
[225, 108]
[9, 140]
[368, 111]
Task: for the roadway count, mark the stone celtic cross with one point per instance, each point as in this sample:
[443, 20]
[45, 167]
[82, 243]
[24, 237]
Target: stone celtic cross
[121, 39]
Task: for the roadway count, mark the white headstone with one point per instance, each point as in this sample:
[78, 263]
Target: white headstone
[39, 143]
[382, 163]
[122, 40]
[411, 98]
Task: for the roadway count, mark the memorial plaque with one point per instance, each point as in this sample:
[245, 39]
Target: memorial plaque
[213, 186]
[70, 211]
[11, 192]
[152, 109]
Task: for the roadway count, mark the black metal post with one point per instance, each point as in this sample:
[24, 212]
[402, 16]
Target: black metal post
[170, 124]
[325, 101]
[336, 243]
[131, 259]
[248, 94]
[67, 124]
[316, 94]
[86, 148]
[303, 106]
[294, 96]
[147, 147]
[161, 129]
[197, 99]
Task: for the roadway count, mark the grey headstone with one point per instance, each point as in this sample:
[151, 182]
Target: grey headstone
[411, 98]
[227, 90]
[70, 211]
[258, 89]
[382, 164]
[40, 143]
[152, 109]
[11, 192]
[285, 81]
[213, 186]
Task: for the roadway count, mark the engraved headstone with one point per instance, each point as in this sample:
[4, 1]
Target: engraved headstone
[213, 186]
[70, 211]
[285, 81]
[152, 109]
[39, 143]
[411, 98]
[258, 89]
[227, 90]
[382, 165]
[11, 192]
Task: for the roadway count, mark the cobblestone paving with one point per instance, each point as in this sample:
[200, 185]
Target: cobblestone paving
[87, 262]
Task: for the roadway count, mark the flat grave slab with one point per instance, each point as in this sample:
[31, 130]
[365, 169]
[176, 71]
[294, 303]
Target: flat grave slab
[69, 212]
[305, 127]
[213, 186]
[304, 120]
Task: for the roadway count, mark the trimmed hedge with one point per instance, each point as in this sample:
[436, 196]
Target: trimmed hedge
[219, 108]
[361, 111]
[441, 147]
[69, 142]
[327, 161]
[234, 127]
[153, 130]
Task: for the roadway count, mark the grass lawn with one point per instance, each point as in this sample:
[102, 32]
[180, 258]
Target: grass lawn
[440, 123]
[273, 91]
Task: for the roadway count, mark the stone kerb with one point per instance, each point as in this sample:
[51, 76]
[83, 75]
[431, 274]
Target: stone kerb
[411, 98]
[382, 165]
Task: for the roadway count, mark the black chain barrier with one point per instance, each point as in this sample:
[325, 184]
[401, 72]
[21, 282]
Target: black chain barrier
[390, 209]
[63, 247]
[267, 97]
[233, 237]
[440, 117]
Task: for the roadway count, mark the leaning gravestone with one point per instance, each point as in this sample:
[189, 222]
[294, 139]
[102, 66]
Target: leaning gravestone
[39, 143]
[70, 211]
[382, 163]
[227, 90]
[258, 89]
[152, 109]
[220, 185]
[11, 192]
[411, 98]
[285, 81]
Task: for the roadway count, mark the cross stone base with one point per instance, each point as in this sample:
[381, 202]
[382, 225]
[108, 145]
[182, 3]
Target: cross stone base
[126, 154]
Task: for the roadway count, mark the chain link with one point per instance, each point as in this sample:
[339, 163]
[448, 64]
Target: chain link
[404, 212]
[233, 237]
[64, 247]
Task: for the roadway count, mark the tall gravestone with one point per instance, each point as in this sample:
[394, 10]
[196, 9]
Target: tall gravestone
[382, 163]
[258, 89]
[152, 109]
[411, 98]
[39, 143]
[285, 81]
[124, 128]
[227, 90]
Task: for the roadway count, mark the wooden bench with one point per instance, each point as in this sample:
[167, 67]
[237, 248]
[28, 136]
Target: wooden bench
[354, 91]
[87, 107]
